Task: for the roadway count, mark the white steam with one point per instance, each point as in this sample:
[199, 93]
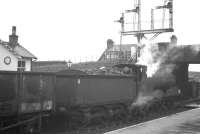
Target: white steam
[147, 58]
[144, 99]
[161, 69]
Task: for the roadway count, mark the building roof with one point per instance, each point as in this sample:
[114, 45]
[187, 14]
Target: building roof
[124, 48]
[19, 51]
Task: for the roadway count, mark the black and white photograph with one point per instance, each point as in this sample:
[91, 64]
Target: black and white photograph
[99, 67]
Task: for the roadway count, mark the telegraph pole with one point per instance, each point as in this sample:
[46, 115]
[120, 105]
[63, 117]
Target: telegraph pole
[121, 21]
[121, 34]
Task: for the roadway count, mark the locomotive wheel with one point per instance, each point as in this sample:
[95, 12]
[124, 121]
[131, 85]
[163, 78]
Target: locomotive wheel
[99, 115]
[77, 118]
[119, 113]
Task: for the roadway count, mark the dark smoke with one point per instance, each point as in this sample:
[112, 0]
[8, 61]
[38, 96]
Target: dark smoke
[163, 79]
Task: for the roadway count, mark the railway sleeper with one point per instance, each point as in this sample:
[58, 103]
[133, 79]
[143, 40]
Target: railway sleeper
[99, 115]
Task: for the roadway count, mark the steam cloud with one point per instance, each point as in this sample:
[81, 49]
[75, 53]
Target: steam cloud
[160, 70]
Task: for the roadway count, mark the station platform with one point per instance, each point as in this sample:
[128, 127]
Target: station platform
[187, 122]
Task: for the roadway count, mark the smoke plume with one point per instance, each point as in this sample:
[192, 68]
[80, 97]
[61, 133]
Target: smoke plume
[160, 70]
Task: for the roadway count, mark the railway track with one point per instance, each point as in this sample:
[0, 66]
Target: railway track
[117, 124]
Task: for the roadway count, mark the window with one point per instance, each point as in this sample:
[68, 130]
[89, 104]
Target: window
[21, 65]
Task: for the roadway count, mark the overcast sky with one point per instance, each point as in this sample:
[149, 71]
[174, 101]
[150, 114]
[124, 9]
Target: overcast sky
[78, 29]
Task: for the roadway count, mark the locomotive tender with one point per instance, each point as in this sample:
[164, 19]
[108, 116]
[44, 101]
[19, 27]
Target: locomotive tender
[25, 97]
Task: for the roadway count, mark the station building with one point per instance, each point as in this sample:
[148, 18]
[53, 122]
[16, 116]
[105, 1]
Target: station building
[13, 56]
[115, 52]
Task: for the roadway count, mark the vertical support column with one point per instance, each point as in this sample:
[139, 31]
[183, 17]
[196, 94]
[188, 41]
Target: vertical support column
[39, 120]
[139, 36]
[181, 74]
[171, 14]
[152, 19]
[139, 15]
[121, 36]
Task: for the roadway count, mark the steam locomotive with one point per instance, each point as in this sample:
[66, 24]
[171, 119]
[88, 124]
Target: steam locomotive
[25, 97]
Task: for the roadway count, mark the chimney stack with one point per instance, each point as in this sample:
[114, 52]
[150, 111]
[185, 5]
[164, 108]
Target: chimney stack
[13, 38]
[110, 43]
[173, 40]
